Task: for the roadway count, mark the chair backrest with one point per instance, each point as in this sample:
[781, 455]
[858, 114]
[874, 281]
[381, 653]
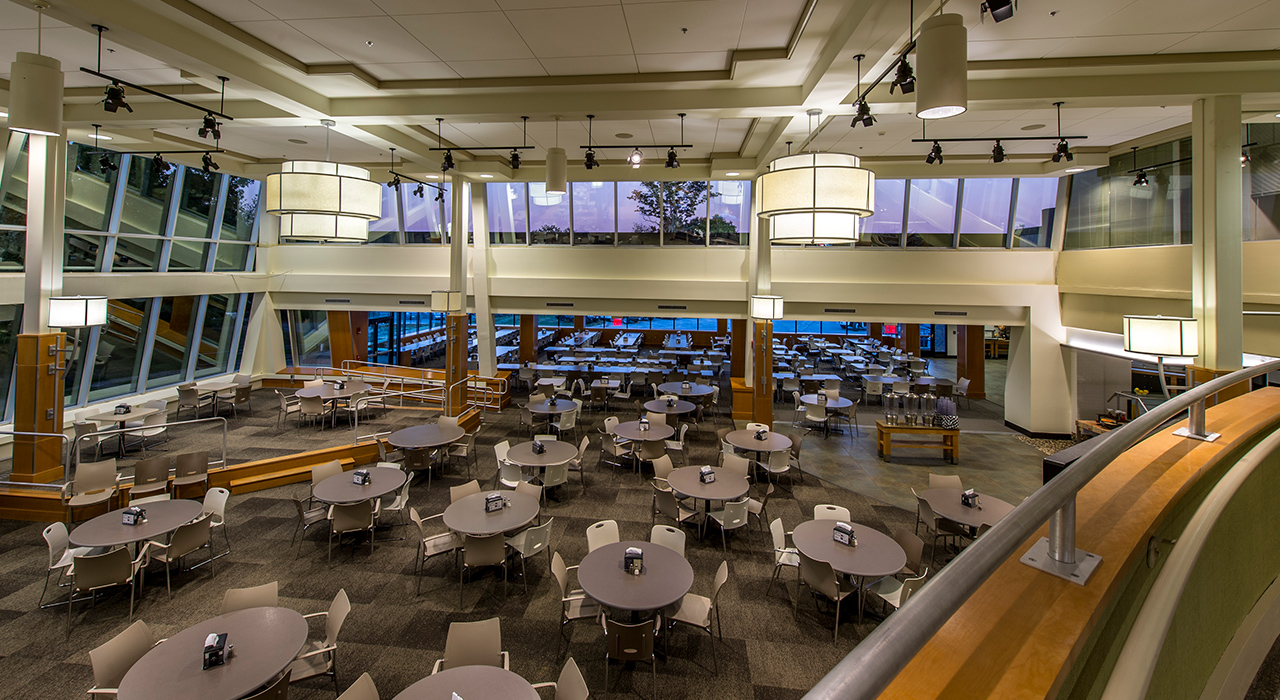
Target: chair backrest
[265, 596]
[874, 388]
[508, 471]
[151, 471]
[114, 658]
[462, 491]
[571, 685]
[349, 517]
[656, 418]
[362, 689]
[484, 551]
[945, 481]
[191, 463]
[602, 533]
[529, 489]
[610, 424]
[189, 537]
[910, 586]
[95, 476]
[737, 464]
[284, 403]
[629, 642]
[500, 451]
[243, 393]
[555, 475]
[312, 405]
[308, 383]
[796, 439]
[320, 472]
[447, 421]
[95, 570]
[537, 538]
[722, 577]
[58, 539]
[188, 396]
[962, 386]
[819, 576]
[474, 643]
[927, 515]
[779, 534]
[561, 572]
[215, 503]
[757, 426]
[669, 537]
[417, 459]
[568, 420]
[338, 611]
[780, 460]
[826, 511]
[684, 429]
[912, 545]
[662, 467]
[814, 412]
[582, 447]
[735, 514]
[831, 384]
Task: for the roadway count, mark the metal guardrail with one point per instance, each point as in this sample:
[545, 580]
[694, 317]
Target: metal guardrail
[435, 393]
[867, 670]
[75, 452]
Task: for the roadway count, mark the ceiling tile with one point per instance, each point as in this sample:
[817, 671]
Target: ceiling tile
[572, 32]
[712, 25]
[1012, 49]
[547, 4]
[1243, 40]
[1112, 46]
[234, 10]
[1168, 16]
[498, 69]
[470, 36]
[348, 37]
[410, 71]
[682, 62]
[768, 23]
[435, 7]
[15, 16]
[590, 65]
[1264, 16]
[1069, 19]
[291, 41]
[317, 9]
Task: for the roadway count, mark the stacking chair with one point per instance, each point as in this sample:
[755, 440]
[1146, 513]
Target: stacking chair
[319, 657]
[529, 543]
[312, 407]
[797, 414]
[570, 685]
[82, 429]
[602, 533]
[400, 502]
[737, 464]
[782, 554]
[821, 579]
[150, 478]
[187, 539]
[461, 491]
[893, 592]
[419, 460]
[666, 505]
[937, 527]
[60, 556]
[630, 642]
[265, 596]
[362, 689]
[215, 506]
[760, 508]
[153, 426]
[553, 476]
[93, 483]
[568, 421]
[325, 470]
[288, 405]
[698, 611]
[574, 603]
[480, 552]
[914, 548]
[731, 517]
[243, 398]
[829, 512]
[351, 517]
[388, 455]
[112, 659]
[93, 572]
[306, 518]
[677, 445]
[962, 389]
[816, 415]
[873, 389]
[473, 644]
[945, 481]
[190, 468]
[189, 397]
[779, 463]
[578, 463]
[465, 449]
[668, 537]
[432, 545]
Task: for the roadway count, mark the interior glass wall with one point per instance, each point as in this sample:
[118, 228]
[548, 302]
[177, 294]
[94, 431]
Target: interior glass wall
[117, 362]
[175, 329]
[306, 338]
[1141, 198]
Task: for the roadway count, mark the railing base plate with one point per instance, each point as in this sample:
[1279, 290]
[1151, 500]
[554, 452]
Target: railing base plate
[1038, 558]
[1186, 432]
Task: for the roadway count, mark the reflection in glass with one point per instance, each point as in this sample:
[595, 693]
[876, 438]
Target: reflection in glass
[387, 229]
[637, 223]
[985, 205]
[116, 365]
[188, 255]
[13, 208]
[884, 228]
[730, 209]
[175, 328]
[89, 187]
[195, 203]
[214, 349]
[548, 216]
[593, 213]
[146, 197]
[1034, 211]
[240, 211]
[931, 219]
[507, 220]
[232, 257]
[83, 253]
[137, 253]
[244, 333]
[423, 216]
[306, 338]
[10, 327]
[13, 248]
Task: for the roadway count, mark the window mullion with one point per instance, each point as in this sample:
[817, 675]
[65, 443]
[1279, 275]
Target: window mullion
[193, 341]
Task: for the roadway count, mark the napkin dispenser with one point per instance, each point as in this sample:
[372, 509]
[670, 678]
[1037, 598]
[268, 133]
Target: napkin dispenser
[633, 560]
[123, 409]
[339, 385]
[822, 399]
[843, 533]
[969, 499]
[684, 386]
[670, 402]
[762, 434]
[494, 503]
[215, 650]
[133, 515]
[361, 477]
[707, 475]
[551, 401]
[644, 424]
[538, 447]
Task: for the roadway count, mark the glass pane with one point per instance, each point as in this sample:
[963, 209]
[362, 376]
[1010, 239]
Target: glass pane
[1088, 211]
[637, 321]
[708, 324]
[387, 229]
[83, 253]
[116, 364]
[91, 178]
[10, 327]
[884, 228]
[195, 204]
[146, 197]
[241, 209]
[137, 254]
[174, 330]
[548, 216]
[985, 205]
[508, 220]
[596, 322]
[593, 213]
[932, 211]
[244, 332]
[663, 324]
[683, 210]
[1033, 214]
[310, 338]
[13, 209]
[75, 366]
[1158, 213]
[13, 249]
[422, 215]
[637, 221]
[232, 257]
[730, 209]
[686, 324]
[216, 334]
[187, 255]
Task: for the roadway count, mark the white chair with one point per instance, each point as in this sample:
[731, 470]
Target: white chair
[529, 543]
[602, 533]
[574, 602]
[552, 476]
[362, 689]
[821, 579]
[782, 554]
[668, 537]
[699, 611]
[431, 545]
[732, 517]
[215, 506]
[945, 481]
[319, 657]
[829, 512]
[962, 389]
[570, 685]
[873, 388]
[400, 502]
[677, 445]
[894, 592]
[60, 555]
[473, 644]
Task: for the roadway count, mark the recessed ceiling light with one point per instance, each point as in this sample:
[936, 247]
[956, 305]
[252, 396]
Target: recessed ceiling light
[625, 135]
[732, 174]
[5, 115]
[433, 177]
[300, 142]
[1032, 127]
[485, 175]
[368, 43]
[1074, 170]
[99, 137]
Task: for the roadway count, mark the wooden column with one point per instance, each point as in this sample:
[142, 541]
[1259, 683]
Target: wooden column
[722, 326]
[348, 336]
[911, 338]
[738, 348]
[877, 331]
[37, 393]
[579, 323]
[455, 361]
[762, 349]
[970, 355]
[528, 338]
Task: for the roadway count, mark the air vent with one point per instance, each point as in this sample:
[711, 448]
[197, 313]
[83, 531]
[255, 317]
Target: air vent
[950, 313]
[560, 304]
[413, 302]
[671, 307]
[337, 301]
[841, 311]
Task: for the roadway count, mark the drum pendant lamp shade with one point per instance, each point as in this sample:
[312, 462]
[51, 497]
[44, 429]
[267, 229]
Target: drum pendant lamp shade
[324, 227]
[942, 67]
[766, 307]
[557, 171]
[323, 201]
[77, 312]
[816, 198]
[35, 95]
[1162, 336]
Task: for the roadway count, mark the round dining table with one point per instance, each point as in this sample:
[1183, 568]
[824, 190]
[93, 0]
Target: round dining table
[555, 452]
[676, 408]
[330, 391]
[264, 640]
[946, 503]
[666, 577]
[470, 682]
[341, 488]
[108, 530]
[428, 435]
[746, 440]
[678, 389]
[875, 556]
[631, 431]
[687, 481]
[547, 408]
[836, 403]
[467, 515]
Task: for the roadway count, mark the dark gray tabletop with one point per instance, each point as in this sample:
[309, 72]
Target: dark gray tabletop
[946, 502]
[423, 436]
[875, 556]
[727, 486]
[163, 517]
[746, 439]
[340, 488]
[561, 406]
[667, 577]
[557, 452]
[660, 406]
[676, 388]
[470, 682]
[467, 516]
[266, 640]
[136, 413]
[933, 381]
[631, 431]
[328, 391]
[838, 402]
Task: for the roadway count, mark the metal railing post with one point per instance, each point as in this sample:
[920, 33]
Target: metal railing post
[1062, 533]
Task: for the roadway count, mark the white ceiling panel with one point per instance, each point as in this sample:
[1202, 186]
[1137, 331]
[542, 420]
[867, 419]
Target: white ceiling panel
[590, 65]
[1170, 16]
[1012, 49]
[498, 69]
[434, 7]
[431, 70]
[1264, 16]
[15, 16]
[712, 24]
[471, 36]
[1034, 21]
[291, 41]
[235, 10]
[1243, 40]
[681, 62]
[349, 38]
[316, 9]
[1112, 46]
[769, 23]
[546, 4]
[573, 32]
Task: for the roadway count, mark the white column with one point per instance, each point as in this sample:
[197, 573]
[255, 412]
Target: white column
[486, 347]
[1217, 294]
[46, 201]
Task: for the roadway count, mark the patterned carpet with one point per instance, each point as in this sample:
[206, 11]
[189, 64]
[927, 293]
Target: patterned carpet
[396, 636]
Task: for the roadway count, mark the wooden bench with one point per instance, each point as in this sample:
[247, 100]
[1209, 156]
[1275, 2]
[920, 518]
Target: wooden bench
[949, 444]
[270, 479]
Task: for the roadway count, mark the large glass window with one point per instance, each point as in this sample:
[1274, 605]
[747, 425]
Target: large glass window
[137, 253]
[984, 215]
[91, 179]
[1118, 207]
[13, 208]
[117, 364]
[931, 216]
[423, 215]
[884, 228]
[83, 253]
[240, 210]
[188, 255]
[593, 213]
[508, 223]
[548, 216]
[638, 217]
[175, 329]
[10, 327]
[195, 203]
[387, 229]
[306, 338]
[730, 209]
[680, 207]
[12, 250]
[147, 194]
[1033, 214]
[244, 333]
[216, 334]
[232, 257]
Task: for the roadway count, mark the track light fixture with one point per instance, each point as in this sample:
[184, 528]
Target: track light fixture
[672, 162]
[419, 191]
[210, 127]
[635, 158]
[115, 99]
[1000, 10]
[207, 164]
[104, 161]
[515, 159]
[447, 164]
[159, 166]
[590, 161]
[1140, 180]
[395, 182]
[1062, 151]
[439, 194]
[863, 113]
[997, 153]
[935, 154]
[904, 79]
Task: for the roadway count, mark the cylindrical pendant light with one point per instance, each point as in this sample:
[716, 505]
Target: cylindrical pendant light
[942, 67]
[324, 228]
[557, 171]
[816, 198]
[35, 95]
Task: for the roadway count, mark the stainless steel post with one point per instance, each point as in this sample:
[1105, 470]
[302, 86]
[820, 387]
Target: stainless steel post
[1062, 532]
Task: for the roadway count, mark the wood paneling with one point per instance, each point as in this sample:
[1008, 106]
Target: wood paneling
[970, 359]
[528, 338]
[762, 348]
[36, 391]
[348, 336]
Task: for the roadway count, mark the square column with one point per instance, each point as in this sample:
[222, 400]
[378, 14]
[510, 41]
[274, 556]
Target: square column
[762, 354]
[455, 366]
[37, 408]
[528, 338]
[970, 359]
[1217, 298]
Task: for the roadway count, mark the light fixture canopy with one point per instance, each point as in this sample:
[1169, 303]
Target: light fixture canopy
[816, 198]
[446, 300]
[942, 64]
[1162, 336]
[557, 171]
[765, 306]
[35, 95]
[77, 312]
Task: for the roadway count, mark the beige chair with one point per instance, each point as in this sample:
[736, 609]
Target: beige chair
[894, 592]
[602, 533]
[821, 579]
[457, 493]
[829, 512]
[736, 464]
[782, 554]
[115, 657]
[698, 611]
[319, 657]
[937, 527]
[312, 407]
[480, 552]
[94, 483]
[420, 461]
[432, 545]
[945, 481]
[473, 644]
[464, 449]
[388, 454]
[778, 464]
[553, 476]
[242, 398]
[753, 427]
[60, 555]
[279, 690]
[189, 397]
[362, 689]
[570, 685]
[187, 539]
[962, 389]
[677, 445]
[288, 405]
[914, 548]
[190, 468]
[400, 502]
[732, 517]
[760, 508]
[215, 505]
[668, 537]
[306, 518]
[529, 489]
[351, 517]
[83, 429]
[150, 478]
[93, 572]
[325, 470]
[666, 505]
[265, 596]
[631, 642]
[529, 543]
[578, 463]
[312, 383]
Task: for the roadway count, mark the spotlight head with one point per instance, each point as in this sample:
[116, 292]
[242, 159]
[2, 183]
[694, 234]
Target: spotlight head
[672, 162]
[447, 164]
[1141, 179]
[864, 115]
[590, 161]
[635, 158]
[1000, 9]
[104, 161]
[395, 182]
[209, 127]
[515, 159]
[1062, 151]
[158, 165]
[935, 154]
[419, 191]
[997, 153]
[207, 164]
[439, 194]
[1244, 158]
[115, 99]
[904, 78]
